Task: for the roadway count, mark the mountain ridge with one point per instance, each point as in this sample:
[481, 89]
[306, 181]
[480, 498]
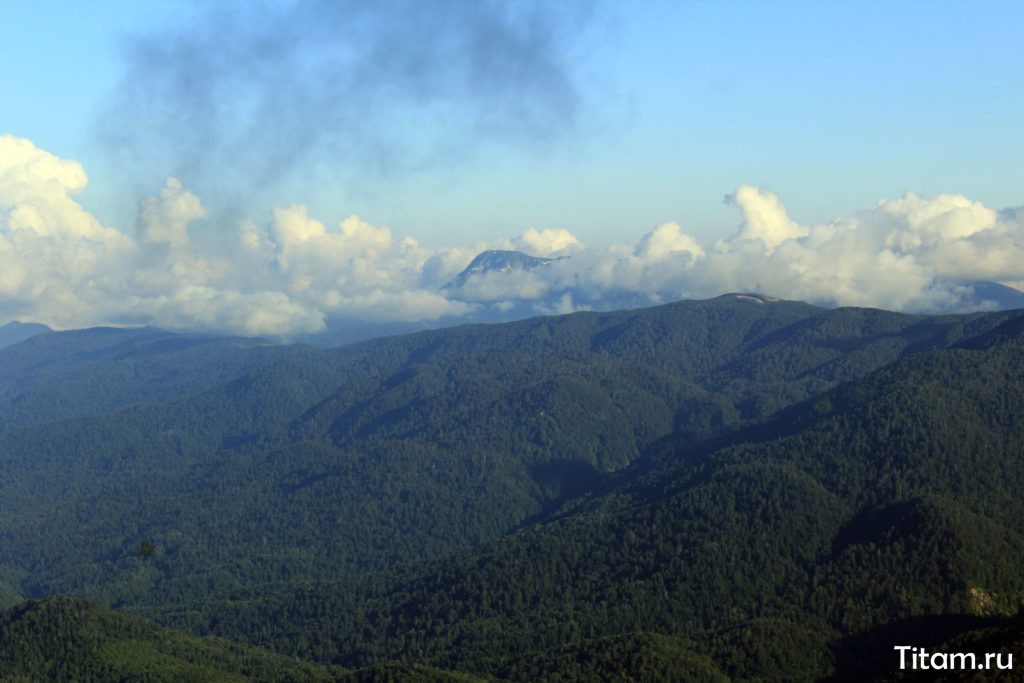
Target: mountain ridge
[765, 528]
[17, 331]
[498, 261]
[740, 455]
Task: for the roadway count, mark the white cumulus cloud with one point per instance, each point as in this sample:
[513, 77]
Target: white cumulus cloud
[547, 242]
[292, 274]
[764, 217]
[165, 219]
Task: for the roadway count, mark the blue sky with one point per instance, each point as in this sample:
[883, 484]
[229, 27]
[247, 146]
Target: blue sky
[451, 126]
[831, 105]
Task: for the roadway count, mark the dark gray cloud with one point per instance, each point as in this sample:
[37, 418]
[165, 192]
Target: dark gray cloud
[243, 95]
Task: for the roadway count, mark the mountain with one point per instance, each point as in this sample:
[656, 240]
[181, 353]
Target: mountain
[497, 261]
[798, 548]
[68, 639]
[341, 330]
[55, 376]
[737, 487]
[995, 296]
[321, 464]
[503, 285]
[14, 332]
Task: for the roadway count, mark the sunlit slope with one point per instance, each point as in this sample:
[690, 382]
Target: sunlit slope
[67, 639]
[796, 548]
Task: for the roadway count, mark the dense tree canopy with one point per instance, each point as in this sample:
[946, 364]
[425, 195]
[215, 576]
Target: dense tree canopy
[734, 488]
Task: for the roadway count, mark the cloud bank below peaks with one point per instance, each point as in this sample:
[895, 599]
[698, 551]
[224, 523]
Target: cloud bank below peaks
[291, 275]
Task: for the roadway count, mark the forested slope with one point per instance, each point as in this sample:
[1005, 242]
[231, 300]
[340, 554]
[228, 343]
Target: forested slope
[69, 639]
[317, 464]
[797, 548]
[57, 375]
[72, 639]
[737, 487]
[15, 331]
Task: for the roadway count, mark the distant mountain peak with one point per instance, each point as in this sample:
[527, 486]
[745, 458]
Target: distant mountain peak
[16, 331]
[995, 296]
[499, 260]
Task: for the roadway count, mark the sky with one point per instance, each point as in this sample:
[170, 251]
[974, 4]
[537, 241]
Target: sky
[264, 168]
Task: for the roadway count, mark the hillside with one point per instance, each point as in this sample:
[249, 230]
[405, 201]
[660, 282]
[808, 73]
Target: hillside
[59, 375]
[321, 464]
[16, 331]
[497, 261]
[739, 486]
[71, 639]
[800, 548]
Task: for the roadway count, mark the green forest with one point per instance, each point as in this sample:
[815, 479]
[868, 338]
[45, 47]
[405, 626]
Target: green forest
[732, 489]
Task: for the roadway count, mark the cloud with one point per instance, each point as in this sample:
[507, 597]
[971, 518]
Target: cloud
[165, 219]
[666, 239]
[345, 88]
[910, 253]
[293, 274]
[497, 286]
[764, 217]
[37, 192]
[397, 306]
[547, 242]
[52, 251]
[257, 313]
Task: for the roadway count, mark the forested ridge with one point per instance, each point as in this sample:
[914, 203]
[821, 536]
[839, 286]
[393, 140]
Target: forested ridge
[732, 488]
[72, 639]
